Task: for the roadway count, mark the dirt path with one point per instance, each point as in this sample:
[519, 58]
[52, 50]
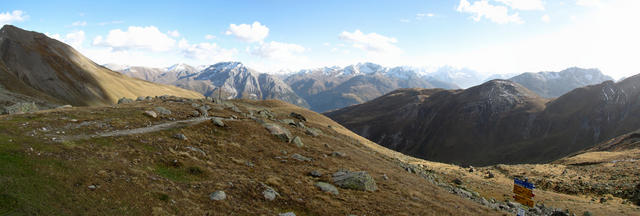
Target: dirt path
[154, 128]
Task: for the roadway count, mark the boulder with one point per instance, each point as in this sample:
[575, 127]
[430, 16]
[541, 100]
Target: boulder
[326, 187]
[125, 100]
[298, 141]
[180, 136]
[151, 114]
[218, 122]
[162, 110]
[298, 116]
[300, 157]
[359, 180]
[218, 195]
[278, 131]
[269, 193]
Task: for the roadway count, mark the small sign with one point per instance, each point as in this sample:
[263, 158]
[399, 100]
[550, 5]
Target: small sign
[522, 191]
[524, 201]
[520, 212]
[524, 184]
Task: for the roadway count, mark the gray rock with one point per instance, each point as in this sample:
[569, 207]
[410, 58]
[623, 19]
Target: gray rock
[125, 100]
[195, 105]
[162, 110]
[92, 187]
[287, 214]
[278, 131]
[288, 121]
[512, 204]
[196, 150]
[204, 110]
[151, 114]
[218, 122]
[298, 142]
[315, 173]
[218, 195]
[148, 98]
[457, 181]
[140, 98]
[195, 113]
[385, 177]
[269, 193]
[300, 157]
[300, 125]
[326, 187]
[266, 114]
[298, 116]
[180, 136]
[338, 154]
[312, 131]
[587, 213]
[21, 108]
[355, 180]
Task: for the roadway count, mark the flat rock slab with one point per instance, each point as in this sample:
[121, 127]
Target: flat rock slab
[360, 180]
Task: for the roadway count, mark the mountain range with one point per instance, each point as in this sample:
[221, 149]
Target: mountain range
[36, 68]
[555, 84]
[499, 121]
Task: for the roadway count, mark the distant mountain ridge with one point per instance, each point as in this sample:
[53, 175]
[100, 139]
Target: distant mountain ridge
[555, 84]
[499, 121]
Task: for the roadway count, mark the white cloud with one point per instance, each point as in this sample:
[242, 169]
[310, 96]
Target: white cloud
[405, 20]
[371, 42]
[495, 13]
[278, 51]
[545, 18]
[209, 37]
[326, 44]
[145, 38]
[11, 17]
[419, 16]
[249, 33]
[524, 4]
[174, 33]
[75, 39]
[79, 23]
[588, 3]
[209, 52]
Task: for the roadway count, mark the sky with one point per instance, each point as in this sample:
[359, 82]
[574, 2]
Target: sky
[489, 36]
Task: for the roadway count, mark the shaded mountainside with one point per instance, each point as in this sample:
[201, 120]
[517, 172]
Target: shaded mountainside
[497, 122]
[331, 88]
[36, 68]
[555, 84]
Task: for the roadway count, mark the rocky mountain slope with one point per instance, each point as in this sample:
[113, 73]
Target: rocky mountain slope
[497, 122]
[335, 87]
[36, 68]
[555, 84]
[175, 156]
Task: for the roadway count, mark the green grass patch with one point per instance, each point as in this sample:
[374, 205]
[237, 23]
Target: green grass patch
[181, 174]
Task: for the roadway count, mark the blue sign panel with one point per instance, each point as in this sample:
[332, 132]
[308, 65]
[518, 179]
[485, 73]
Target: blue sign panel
[524, 184]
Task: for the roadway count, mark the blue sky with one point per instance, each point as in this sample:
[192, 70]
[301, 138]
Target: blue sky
[491, 36]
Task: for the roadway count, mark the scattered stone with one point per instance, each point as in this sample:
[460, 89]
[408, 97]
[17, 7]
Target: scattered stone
[180, 136]
[326, 187]
[312, 132]
[355, 180]
[300, 125]
[489, 175]
[140, 98]
[338, 154]
[471, 169]
[125, 100]
[204, 110]
[315, 173]
[196, 150]
[266, 114]
[64, 106]
[195, 105]
[278, 131]
[21, 108]
[559, 213]
[287, 214]
[298, 142]
[162, 110]
[587, 213]
[218, 195]
[151, 114]
[195, 113]
[298, 116]
[603, 200]
[512, 204]
[269, 193]
[300, 157]
[457, 181]
[288, 121]
[385, 177]
[218, 122]
[92, 187]
[148, 98]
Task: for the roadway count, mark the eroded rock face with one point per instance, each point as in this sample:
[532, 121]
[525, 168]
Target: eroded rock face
[359, 180]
